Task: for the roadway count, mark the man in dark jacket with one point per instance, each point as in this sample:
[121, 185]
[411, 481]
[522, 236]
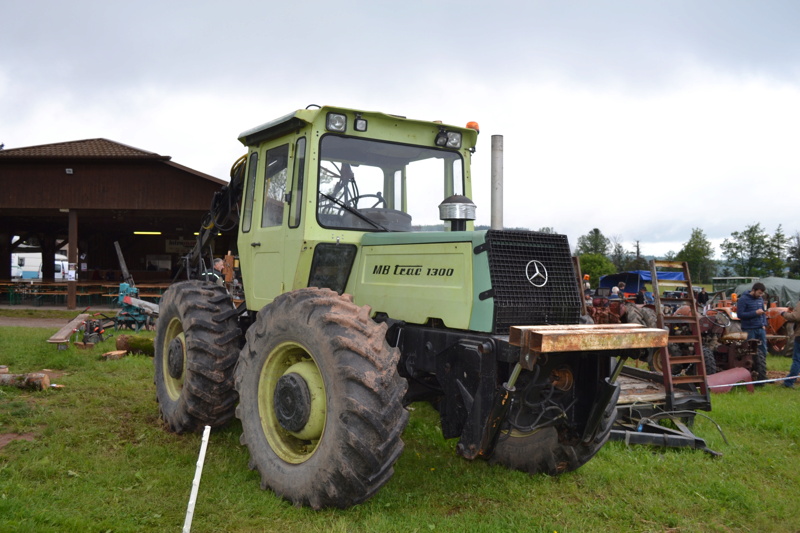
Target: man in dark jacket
[751, 313]
[641, 296]
[215, 275]
[702, 297]
[793, 315]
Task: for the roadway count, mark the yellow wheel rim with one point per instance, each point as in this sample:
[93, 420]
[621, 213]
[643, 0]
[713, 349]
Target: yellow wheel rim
[299, 445]
[174, 334]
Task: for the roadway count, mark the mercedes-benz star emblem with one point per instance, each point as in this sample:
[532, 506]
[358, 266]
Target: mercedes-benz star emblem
[536, 273]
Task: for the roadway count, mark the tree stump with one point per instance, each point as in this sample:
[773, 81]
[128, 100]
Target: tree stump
[135, 344]
[112, 356]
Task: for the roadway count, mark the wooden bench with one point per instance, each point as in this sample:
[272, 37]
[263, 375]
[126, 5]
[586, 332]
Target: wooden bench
[61, 337]
[39, 297]
[89, 296]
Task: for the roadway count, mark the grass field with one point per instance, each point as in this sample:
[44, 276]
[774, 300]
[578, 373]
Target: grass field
[98, 460]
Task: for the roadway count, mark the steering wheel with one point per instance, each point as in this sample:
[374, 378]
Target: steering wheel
[380, 200]
[717, 317]
[345, 189]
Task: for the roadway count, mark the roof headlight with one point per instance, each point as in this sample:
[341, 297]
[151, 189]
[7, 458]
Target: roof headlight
[453, 139]
[448, 139]
[336, 122]
[360, 123]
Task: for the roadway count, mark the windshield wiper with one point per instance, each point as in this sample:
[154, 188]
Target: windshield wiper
[353, 210]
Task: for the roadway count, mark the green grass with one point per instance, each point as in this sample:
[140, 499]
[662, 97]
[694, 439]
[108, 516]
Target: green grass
[101, 461]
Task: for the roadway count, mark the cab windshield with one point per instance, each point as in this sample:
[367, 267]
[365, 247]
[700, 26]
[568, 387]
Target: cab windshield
[373, 185]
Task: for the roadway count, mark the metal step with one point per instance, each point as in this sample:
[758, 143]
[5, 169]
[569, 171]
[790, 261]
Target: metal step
[685, 360]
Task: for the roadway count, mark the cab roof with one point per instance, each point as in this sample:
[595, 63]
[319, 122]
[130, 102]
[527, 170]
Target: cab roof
[303, 117]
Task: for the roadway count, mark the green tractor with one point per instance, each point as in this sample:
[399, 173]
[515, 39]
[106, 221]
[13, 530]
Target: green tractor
[351, 312]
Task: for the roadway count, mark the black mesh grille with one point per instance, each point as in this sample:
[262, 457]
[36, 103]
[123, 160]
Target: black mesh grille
[517, 302]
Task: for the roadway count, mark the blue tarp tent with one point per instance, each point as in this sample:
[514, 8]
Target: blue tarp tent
[634, 278]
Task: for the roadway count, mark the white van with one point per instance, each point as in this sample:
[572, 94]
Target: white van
[28, 265]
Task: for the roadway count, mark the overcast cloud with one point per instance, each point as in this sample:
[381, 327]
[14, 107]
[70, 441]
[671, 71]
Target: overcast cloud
[644, 119]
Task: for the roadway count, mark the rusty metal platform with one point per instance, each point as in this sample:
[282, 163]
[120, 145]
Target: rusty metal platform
[585, 337]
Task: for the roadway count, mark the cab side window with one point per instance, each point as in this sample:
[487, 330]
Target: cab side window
[247, 212]
[275, 174]
[297, 186]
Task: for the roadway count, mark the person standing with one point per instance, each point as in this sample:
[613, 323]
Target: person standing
[702, 297]
[641, 296]
[751, 313]
[215, 275]
[793, 315]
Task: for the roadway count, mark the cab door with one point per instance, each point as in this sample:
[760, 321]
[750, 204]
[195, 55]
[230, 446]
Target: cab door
[262, 231]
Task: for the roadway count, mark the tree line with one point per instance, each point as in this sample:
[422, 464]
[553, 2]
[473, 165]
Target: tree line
[751, 253]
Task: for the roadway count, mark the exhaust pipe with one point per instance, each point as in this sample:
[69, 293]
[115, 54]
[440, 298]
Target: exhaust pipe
[497, 182]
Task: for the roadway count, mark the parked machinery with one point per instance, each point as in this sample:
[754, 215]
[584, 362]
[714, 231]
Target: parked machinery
[351, 313]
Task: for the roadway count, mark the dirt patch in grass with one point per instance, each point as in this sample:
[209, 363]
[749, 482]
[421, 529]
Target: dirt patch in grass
[5, 438]
[26, 322]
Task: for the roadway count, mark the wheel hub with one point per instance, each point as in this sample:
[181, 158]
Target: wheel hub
[292, 402]
[175, 358]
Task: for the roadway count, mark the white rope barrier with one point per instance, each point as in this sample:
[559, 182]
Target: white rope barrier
[187, 524]
[752, 382]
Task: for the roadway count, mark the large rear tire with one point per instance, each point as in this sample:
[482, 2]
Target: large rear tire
[320, 399]
[647, 318]
[760, 364]
[710, 360]
[656, 364]
[547, 451]
[196, 348]
[641, 315]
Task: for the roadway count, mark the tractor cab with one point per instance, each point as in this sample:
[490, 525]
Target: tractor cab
[318, 180]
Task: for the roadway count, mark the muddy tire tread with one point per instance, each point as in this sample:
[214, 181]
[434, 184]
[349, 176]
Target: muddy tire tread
[357, 457]
[212, 348]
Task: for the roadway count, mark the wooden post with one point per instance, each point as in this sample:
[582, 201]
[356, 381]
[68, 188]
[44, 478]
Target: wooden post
[72, 258]
[228, 268]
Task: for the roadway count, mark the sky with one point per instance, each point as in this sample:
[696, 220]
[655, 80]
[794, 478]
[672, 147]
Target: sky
[644, 119]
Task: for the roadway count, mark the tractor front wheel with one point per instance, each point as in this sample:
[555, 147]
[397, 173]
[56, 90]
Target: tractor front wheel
[320, 399]
[549, 451]
[196, 347]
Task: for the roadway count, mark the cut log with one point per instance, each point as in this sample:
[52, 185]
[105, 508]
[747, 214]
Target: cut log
[112, 356]
[25, 381]
[135, 344]
[3, 369]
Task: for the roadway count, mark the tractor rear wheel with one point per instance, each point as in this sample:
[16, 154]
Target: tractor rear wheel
[647, 318]
[710, 360]
[320, 399]
[547, 451]
[641, 315]
[196, 349]
[656, 364]
[760, 364]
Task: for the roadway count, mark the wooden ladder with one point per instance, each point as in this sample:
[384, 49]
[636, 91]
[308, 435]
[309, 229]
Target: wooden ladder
[684, 331]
